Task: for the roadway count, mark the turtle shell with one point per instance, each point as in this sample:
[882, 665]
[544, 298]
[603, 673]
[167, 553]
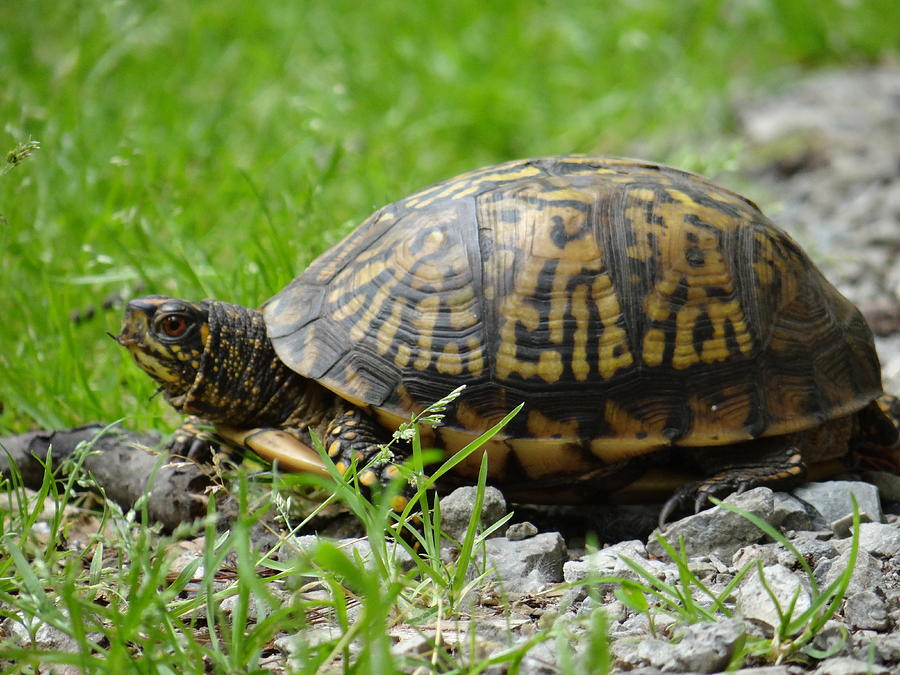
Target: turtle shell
[630, 305]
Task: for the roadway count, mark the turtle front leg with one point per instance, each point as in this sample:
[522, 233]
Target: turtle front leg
[192, 440]
[351, 434]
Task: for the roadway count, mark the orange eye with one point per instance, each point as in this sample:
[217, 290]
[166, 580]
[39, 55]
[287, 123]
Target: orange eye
[173, 325]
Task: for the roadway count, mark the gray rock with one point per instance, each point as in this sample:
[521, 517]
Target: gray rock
[885, 648]
[540, 660]
[766, 670]
[866, 610]
[651, 652]
[832, 638]
[832, 499]
[530, 564]
[413, 645]
[846, 665]
[880, 539]
[46, 637]
[843, 527]
[608, 562]
[792, 514]
[519, 531]
[703, 648]
[706, 647]
[457, 508]
[888, 484]
[718, 531]
[867, 572]
[814, 547]
[767, 554]
[754, 601]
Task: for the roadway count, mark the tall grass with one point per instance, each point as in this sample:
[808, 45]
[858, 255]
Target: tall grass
[214, 148]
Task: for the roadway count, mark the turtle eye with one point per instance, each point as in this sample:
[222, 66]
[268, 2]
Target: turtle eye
[173, 325]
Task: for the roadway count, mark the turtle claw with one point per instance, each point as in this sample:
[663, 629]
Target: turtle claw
[698, 493]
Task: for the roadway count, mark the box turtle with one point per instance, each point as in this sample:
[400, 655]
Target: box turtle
[660, 330]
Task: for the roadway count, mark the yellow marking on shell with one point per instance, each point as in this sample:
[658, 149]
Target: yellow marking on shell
[388, 329]
[475, 362]
[349, 308]
[613, 350]
[403, 356]
[334, 448]
[580, 366]
[684, 354]
[566, 194]
[680, 294]
[626, 426]
[640, 251]
[449, 361]
[368, 478]
[722, 421]
[469, 418]
[643, 194]
[469, 183]
[509, 175]
[541, 426]
[465, 192]
[549, 366]
[426, 318]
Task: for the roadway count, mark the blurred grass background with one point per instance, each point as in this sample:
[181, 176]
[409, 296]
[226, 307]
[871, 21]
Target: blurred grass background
[214, 147]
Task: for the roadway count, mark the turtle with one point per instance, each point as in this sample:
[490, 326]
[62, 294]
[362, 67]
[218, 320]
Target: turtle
[661, 332]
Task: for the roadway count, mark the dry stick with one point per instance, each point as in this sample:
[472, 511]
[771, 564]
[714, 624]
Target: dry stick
[122, 467]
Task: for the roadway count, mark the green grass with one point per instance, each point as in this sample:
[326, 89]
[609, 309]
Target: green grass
[214, 148]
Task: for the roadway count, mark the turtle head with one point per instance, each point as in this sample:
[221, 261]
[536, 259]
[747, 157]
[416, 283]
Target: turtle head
[212, 359]
[166, 337]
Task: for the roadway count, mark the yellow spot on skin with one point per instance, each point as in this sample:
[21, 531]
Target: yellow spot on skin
[398, 503]
[176, 348]
[341, 468]
[334, 448]
[195, 364]
[392, 471]
[336, 430]
[368, 478]
[350, 436]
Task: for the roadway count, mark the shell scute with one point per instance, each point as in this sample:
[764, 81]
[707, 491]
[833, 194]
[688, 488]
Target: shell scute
[631, 306]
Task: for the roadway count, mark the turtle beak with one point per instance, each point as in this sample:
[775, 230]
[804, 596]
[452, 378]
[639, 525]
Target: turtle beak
[138, 315]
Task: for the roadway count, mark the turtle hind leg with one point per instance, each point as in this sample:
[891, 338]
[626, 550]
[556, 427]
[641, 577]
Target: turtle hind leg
[877, 443]
[772, 462]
